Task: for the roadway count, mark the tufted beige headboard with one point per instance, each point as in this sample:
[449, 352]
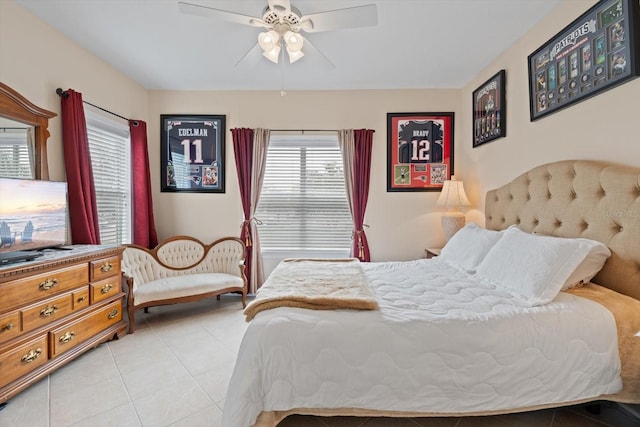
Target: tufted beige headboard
[576, 198]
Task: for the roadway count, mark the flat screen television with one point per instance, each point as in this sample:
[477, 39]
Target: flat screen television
[33, 216]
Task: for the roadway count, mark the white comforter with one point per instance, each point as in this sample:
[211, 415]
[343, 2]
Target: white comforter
[442, 341]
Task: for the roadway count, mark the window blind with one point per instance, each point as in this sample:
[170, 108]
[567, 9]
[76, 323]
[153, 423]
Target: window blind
[303, 204]
[109, 145]
[14, 153]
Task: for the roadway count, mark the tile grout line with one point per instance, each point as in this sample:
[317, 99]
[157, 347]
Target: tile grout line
[175, 356]
[115, 362]
[49, 399]
[589, 417]
[123, 384]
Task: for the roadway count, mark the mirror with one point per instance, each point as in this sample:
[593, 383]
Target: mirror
[17, 112]
[17, 154]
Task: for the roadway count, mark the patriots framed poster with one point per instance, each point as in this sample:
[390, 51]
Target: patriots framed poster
[192, 153]
[490, 110]
[596, 52]
[419, 151]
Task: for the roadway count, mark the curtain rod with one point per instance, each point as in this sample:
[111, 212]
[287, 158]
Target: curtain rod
[304, 130]
[61, 92]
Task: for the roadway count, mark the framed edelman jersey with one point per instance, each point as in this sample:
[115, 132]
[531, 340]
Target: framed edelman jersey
[192, 153]
[419, 151]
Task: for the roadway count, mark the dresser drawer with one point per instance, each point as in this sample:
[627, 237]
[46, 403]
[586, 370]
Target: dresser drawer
[72, 334]
[21, 292]
[105, 288]
[104, 267]
[9, 326]
[23, 359]
[80, 298]
[47, 311]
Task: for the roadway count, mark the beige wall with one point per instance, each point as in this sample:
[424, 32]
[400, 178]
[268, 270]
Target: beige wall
[36, 59]
[400, 223]
[604, 127]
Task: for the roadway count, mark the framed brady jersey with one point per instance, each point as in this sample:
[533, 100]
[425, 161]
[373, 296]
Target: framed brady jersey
[419, 151]
[192, 153]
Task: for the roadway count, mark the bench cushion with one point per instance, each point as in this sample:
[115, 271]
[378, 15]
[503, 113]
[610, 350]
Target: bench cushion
[185, 285]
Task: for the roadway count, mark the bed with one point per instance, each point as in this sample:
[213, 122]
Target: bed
[437, 337]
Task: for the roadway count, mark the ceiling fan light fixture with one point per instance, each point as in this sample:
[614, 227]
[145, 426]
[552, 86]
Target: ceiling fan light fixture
[294, 41]
[283, 24]
[272, 54]
[268, 40]
[294, 55]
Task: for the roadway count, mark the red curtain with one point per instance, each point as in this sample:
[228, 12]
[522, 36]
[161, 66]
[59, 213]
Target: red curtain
[83, 212]
[243, 150]
[144, 229]
[363, 141]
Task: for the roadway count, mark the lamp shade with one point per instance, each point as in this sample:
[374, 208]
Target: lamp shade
[273, 54]
[268, 40]
[294, 55]
[453, 195]
[294, 41]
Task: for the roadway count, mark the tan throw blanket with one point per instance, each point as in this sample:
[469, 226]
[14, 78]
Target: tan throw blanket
[626, 311]
[318, 284]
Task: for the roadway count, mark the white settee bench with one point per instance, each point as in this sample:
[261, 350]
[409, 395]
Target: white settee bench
[182, 269]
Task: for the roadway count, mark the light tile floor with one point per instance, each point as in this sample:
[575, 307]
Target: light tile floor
[175, 369]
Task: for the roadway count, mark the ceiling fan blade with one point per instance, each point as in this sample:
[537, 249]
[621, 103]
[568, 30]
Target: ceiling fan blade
[250, 58]
[352, 17]
[210, 12]
[280, 5]
[308, 46]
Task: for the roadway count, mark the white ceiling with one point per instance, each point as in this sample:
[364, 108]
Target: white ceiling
[416, 44]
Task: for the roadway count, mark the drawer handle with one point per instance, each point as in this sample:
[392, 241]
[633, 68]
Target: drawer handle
[48, 310]
[113, 313]
[8, 326]
[32, 355]
[106, 288]
[82, 298]
[107, 266]
[68, 336]
[48, 284]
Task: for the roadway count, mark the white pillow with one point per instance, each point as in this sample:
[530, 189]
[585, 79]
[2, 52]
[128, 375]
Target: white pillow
[468, 247]
[589, 267]
[535, 267]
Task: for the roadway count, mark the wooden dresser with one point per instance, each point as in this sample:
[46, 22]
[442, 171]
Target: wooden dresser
[55, 308]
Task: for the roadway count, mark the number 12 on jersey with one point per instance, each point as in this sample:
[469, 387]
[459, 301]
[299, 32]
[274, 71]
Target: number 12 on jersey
[419, 151]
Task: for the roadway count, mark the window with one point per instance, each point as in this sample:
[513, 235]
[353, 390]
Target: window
[303, 205]
[14, 152]
[109, 145]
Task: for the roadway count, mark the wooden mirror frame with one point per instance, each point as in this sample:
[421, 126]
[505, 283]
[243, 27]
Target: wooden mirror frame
[16, 107]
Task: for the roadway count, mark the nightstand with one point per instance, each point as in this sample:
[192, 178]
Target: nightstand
[431, 252]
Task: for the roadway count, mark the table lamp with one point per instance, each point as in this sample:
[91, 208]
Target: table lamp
[453, 197]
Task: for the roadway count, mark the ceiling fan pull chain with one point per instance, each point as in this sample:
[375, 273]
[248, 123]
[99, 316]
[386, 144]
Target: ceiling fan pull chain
[282, 91]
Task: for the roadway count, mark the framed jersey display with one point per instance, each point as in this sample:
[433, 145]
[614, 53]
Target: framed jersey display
[596, 52]
[490, 110]
[192, 153]
[419, 151]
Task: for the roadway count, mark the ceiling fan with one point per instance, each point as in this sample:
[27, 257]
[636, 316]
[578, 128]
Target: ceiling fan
[283, 24]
